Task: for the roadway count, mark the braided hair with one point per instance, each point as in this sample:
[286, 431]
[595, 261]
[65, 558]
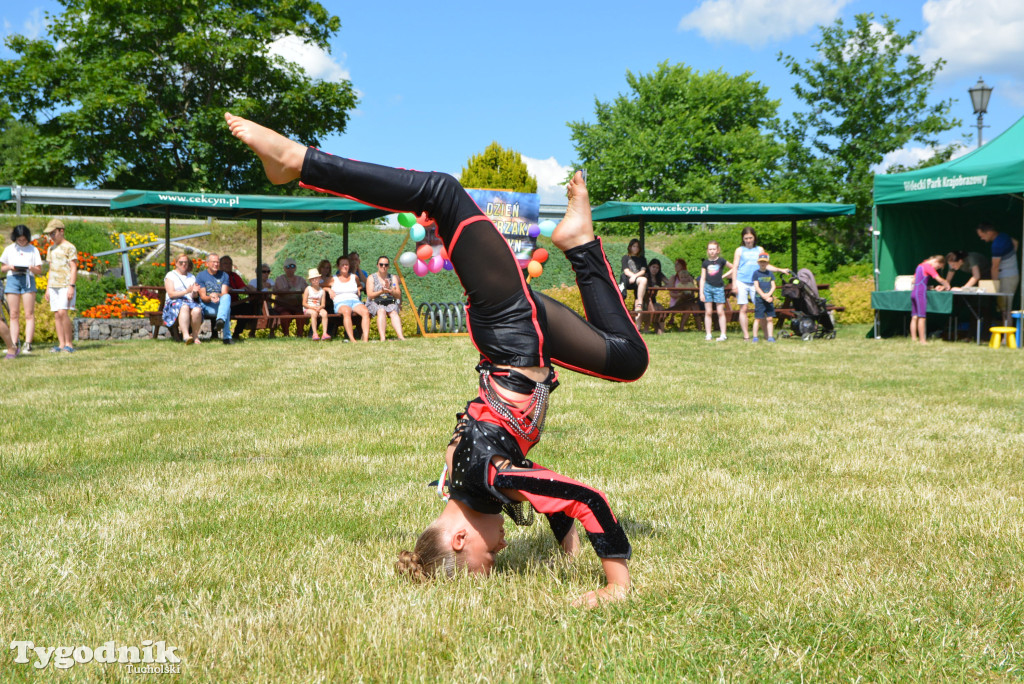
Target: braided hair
[431, 557]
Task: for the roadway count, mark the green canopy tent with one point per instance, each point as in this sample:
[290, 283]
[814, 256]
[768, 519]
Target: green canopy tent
[274, 207]
[718, 213]
[936, 210]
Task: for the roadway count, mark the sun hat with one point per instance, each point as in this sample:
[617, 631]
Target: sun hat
[53, 225]
[313, 273]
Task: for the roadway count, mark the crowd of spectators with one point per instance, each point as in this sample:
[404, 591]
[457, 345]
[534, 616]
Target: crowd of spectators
[753, 283]
[327, 298]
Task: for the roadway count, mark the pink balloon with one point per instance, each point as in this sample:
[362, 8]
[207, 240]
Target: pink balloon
[435, 264]
[419, 268]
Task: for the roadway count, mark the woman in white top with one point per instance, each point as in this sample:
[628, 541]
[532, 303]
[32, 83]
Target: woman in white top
[21, 263]
[182, 303]
[345, 295]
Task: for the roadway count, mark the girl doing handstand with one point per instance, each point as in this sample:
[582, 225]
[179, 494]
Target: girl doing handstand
[519, 334]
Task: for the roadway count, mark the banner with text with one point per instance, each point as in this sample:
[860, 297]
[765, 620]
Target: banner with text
[515, 214]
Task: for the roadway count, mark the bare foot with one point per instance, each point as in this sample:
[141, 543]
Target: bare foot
[282, 158]
[576, 228]
[607, 594]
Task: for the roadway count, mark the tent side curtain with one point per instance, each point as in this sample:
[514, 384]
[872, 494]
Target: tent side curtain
[326, 209]
[677, 212]
[913, 231]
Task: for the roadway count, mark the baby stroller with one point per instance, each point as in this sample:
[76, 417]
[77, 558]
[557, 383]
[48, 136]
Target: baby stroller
[811, 319]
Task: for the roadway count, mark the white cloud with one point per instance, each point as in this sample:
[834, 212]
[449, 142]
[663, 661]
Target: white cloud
[312, 59]
[551, 178]
[755, 22]
[910, 156]
[35, 25]
[32, 28]
[974, 36]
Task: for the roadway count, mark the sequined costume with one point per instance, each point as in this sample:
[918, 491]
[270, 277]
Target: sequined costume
[510, 325]
[475, 481]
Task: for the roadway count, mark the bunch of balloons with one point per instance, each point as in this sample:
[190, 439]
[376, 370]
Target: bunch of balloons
[424, 260]
[540, 255]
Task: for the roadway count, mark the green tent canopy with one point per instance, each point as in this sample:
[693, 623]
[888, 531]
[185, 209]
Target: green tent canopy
[678, 212]
[936, 210]
[259, 207]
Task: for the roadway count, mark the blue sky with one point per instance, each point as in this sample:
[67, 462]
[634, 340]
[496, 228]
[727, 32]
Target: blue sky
[439, 81]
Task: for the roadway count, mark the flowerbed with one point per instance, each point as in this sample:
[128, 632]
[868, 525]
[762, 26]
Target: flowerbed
[123, 306]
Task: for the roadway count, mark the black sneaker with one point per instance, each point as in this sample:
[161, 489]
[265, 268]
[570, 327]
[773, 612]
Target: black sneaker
[228, 340]
[218, 326]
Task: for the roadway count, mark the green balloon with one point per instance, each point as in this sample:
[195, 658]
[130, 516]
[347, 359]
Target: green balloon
[407, 220]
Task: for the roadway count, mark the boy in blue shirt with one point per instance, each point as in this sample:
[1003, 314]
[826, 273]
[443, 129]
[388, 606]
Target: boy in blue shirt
[764, 305]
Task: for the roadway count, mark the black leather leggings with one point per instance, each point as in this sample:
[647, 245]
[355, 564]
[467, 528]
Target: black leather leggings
[509, 323]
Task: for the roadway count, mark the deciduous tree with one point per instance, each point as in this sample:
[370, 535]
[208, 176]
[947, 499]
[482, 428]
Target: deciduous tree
[681, 136]
[866, 94]
[498, 169]
[122, 94]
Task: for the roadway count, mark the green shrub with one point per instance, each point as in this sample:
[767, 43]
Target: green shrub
[93, 291]
[45, 330]
[151, 274]
[92, 238]
[308, 249]
[855, 295]
[814, 252]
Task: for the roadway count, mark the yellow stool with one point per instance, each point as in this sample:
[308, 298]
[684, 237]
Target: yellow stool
[997, 336]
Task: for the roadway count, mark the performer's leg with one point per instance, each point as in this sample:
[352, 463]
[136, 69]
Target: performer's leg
[482, 258]
[606, 344]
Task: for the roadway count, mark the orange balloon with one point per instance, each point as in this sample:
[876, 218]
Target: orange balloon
[424, 252]
[534, 269]
[540, 255]
[444, 253]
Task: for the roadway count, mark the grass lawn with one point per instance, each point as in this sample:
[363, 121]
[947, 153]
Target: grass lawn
[825, 510]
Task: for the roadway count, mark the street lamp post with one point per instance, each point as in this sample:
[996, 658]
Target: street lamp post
[979, 98]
